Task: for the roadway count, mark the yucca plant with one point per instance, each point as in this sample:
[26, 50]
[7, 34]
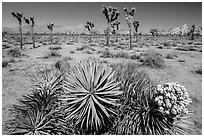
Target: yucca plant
[31, 25]
[89, 25]
[111, 15]
[19, 16]
[136, 25]
[115, 28]
[91, 95]
[39, 112]
[138, 112]
[50, 27]
[129, 19]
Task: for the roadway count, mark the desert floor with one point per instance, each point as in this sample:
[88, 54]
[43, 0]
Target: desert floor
[181, 69]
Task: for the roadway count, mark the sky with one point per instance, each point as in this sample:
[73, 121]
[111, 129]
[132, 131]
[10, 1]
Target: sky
[163, 15]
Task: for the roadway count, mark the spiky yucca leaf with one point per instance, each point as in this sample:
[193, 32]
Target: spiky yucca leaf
[33, 115]
[92, 95]
[47, 79]
[39, 112]
[138, 112]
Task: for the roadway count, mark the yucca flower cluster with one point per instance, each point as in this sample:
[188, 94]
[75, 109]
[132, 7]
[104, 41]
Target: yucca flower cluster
[172, 99]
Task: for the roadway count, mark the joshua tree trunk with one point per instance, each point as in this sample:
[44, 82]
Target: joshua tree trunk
[108, 34]
[32, 33]
[51, 36]
[90, 36]
[116, 37]
[136, 37]
[130, 31]
[21, 37]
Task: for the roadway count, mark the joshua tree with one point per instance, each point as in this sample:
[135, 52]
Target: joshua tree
[129, 19]
[192, 30]
[89, 25]
[50, 27]
[154, 32]
[115, 28]
[19, 16]
[111, 15]
[31, 25]
[136, 25]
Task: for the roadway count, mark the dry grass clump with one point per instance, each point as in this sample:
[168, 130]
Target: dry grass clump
[55, 47]
[14, 52]
[52, 53]
[4, 63]
[153, 60]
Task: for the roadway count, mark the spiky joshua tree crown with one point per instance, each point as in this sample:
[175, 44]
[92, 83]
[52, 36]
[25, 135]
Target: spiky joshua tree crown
[111, 13]
[50, 26]
[129, 15]
[89, 25]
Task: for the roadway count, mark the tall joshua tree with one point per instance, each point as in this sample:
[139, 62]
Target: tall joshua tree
[31, 25]
[89, 25]
[50, 27]
[111, 15]
[136, 25]
[192, 30]
[19, 16]
[115, 27]
[129, 19]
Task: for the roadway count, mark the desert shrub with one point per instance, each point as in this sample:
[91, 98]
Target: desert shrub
[91, 96]
[169, 56]
[88, 52]
[182, 48]
[63, 65]
[190, 42]
[160, 47]
[72, 51]
[140, 112]
[197, 43]
[198, 71]
[122, 54]
[12, 60]
[14, 52]
[4, 63]
[83, 47]
[107, 54]
[38, 113]
[55, 47]
[135, 57]
[174, 45]
[181, 60]
[153, 60]
[52, 53]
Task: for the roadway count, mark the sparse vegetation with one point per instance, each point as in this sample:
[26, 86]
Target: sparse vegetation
[4, 63]
[170, 56]
[153, 60]
[14, 52]
[55, 47]
[111, 90]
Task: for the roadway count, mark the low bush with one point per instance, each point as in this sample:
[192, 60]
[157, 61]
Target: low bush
[55, 47]
[4, 63]
[14, 52]
[169, 56]
[52, 53]
[107, 54]
[135, 57]
[153, 60]
[72, 51]
[122, 54]
[83, 47]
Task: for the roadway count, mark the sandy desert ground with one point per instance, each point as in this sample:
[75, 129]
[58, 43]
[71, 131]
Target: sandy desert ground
[183, 64]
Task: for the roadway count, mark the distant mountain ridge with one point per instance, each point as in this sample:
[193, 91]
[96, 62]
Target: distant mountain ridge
[81, 29]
